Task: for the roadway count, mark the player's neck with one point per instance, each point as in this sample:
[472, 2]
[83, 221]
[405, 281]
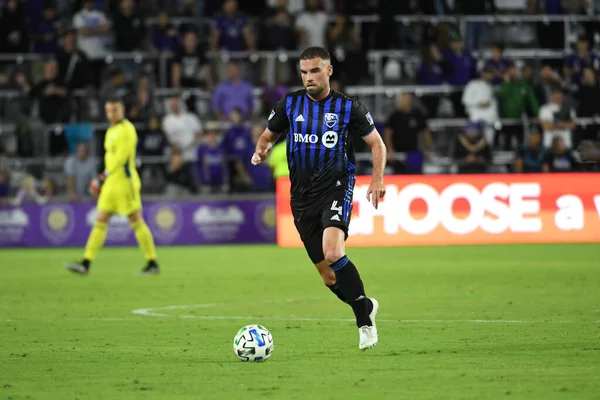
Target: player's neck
[323, 95]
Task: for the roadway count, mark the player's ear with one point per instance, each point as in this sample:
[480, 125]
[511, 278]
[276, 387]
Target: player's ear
[329, 70]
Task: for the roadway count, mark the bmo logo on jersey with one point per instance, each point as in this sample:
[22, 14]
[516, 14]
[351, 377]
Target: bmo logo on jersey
[305, 138]
[329, 139]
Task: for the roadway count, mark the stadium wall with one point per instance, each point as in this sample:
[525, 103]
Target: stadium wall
[467, 209]
[173, 223]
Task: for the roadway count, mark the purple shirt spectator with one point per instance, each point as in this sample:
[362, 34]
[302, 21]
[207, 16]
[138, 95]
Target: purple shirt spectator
[44, 33]
[463, 67]
[554, 7]
[233, 93]
[499, 67]
[230, 28]
[237, 142]
[577, 63]
[164, 35]
[430, 74]
[211, 164]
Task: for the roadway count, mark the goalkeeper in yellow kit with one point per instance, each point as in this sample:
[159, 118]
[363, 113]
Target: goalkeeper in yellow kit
[119, 191]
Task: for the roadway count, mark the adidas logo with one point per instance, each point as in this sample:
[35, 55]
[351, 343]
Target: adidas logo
[338, 184]
[335, 218]
[300, 118]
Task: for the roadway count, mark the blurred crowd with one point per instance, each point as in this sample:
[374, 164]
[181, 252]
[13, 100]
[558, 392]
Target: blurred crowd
[206, 142]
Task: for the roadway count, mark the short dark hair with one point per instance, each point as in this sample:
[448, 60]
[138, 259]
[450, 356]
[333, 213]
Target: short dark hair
[498, 46]
[315, 52]
[114, 99]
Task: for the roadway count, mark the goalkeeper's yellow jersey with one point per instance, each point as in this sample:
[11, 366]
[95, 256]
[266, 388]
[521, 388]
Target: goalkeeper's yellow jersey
[120, 145]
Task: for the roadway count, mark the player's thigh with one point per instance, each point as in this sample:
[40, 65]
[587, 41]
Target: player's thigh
[311, 233]
[130, 202]
[107, 200]
[335, 220]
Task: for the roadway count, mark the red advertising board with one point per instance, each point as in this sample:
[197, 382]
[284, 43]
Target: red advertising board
[466, 209]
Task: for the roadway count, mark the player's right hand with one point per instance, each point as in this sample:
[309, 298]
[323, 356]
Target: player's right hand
[259, 157]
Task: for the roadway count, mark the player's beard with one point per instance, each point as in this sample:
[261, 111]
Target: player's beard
[315, 91]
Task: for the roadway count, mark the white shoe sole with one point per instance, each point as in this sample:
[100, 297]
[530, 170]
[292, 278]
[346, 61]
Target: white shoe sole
[372, 316]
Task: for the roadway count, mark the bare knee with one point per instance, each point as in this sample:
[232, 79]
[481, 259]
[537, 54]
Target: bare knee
[103, 217]
[135, 217]
[333, 253]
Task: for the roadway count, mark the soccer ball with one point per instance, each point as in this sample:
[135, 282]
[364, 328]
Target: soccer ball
[253, 343]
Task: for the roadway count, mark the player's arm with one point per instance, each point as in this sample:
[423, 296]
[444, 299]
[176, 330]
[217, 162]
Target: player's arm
[123, 145]
[276, 125]
[361, 124]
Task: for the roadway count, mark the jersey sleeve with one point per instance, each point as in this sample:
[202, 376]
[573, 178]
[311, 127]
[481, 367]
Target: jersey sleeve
[124, 143]
[278, 120]
[361, 122]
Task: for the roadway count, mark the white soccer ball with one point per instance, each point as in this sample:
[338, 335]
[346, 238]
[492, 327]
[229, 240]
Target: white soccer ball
[253, 343]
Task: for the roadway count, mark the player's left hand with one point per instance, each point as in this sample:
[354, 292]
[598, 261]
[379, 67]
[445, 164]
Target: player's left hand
[375, 193]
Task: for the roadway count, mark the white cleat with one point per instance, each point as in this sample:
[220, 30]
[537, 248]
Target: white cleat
[368, 334]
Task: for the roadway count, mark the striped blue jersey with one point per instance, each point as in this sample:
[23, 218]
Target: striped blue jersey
[319, 141]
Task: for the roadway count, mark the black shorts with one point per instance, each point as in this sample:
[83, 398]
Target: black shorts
[334, 210]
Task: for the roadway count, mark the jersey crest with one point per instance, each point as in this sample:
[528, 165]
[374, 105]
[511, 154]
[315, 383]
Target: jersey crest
[331, 120]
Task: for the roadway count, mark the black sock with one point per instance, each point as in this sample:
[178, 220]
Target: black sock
[352, 289]
[152, 264]
[336, 290]
[86, 263]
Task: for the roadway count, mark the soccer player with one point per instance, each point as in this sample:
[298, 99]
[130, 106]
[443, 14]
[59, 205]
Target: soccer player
[321, 125]
[119, 191]
[589, 151]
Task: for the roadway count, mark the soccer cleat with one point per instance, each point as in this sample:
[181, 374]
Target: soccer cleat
[78, 268]
[150, 269]
[368, 334]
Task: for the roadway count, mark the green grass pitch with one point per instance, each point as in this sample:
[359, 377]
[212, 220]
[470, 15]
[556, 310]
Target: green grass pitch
[464, 322]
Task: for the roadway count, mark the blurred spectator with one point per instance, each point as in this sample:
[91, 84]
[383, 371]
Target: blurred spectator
[432, 71]
[472, 152]
[48, 188]
[433, 7]
[44, 32]
[180, 179]
[463, 69]
[556, 118]
[4, 188]
[551, 35]
[80, 169]
[589, 102]
[182, 129]
[212, 167]
[190, 68]
[233, 93]
[348, 60]
[476, 30]
[480, 102]
[28, 192]
[529, 78]
[237, 143]
[73, 64]
[53, 96]
[272, 94]
[144, 98]
[116, 85]
[582, 58]
[530, 157]
[498, 64]
[260, 176]
[231, 30]
[401, 135]
[13, 28]
[153, 142]
[164, 35]
[92, 28]
[516, 98]
[559, 158]
[312, 25]
[129, 28]
[279, 32]
[549, 79]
